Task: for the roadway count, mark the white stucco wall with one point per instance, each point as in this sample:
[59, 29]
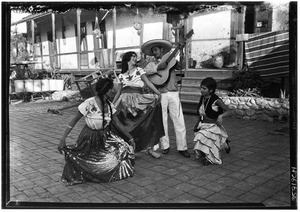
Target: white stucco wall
[45, 47]
[69, 61]
[211, 34]
[127, 36]
[153, 31]
[68, 44]
[280, 16]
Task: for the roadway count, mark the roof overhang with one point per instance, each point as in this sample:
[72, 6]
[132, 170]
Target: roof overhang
[30, 17]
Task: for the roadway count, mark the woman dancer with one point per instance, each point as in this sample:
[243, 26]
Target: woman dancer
[210, 135]
[99, 155]
[139, 112]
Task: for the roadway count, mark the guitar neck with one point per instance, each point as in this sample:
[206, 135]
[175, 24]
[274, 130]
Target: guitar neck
[173, 54]
[179, 46]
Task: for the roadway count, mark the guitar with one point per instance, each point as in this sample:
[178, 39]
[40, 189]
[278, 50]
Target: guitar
[162, 76]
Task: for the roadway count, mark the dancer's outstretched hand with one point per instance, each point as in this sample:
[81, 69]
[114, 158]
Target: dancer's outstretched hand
[159, 97]
[132, 143]
[61, 145]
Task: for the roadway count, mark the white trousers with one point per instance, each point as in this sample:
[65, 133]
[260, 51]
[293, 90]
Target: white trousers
[170, 102]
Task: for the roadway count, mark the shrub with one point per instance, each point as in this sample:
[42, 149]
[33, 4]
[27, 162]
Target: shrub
[246, 93]
[246, 79]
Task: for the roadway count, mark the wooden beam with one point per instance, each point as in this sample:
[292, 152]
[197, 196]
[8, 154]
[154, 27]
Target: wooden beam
[256, 9]
[141, 34]
[54, 40]
[114, 40]
[241, 30]
[187, 47]
[32, 40]
[242, 37]
[78, 12]
[166, 30]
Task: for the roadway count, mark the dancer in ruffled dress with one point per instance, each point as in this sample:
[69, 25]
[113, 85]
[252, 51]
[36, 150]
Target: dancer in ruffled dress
[99, 155]
[139, 111]
[210, 134]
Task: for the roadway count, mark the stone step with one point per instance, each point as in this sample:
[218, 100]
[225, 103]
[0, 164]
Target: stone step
[190, 96]
[191, 81]
[190, 87]
[194, 88]
[195, 96]
[215, 73]
[189, 106]
[196, 80]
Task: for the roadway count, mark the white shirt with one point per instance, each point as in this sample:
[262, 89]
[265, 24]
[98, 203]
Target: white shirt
[93, 115]
[134, 79]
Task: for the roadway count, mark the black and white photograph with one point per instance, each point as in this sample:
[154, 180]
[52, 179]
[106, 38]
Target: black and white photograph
[149, 105]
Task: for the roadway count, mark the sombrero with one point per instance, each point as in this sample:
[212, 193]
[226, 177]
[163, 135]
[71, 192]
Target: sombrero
[146, 47]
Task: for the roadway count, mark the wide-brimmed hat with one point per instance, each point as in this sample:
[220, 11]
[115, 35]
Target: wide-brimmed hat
[147, 47]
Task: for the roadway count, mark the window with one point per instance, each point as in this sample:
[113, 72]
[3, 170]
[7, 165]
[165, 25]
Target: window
[100, 42]
[63, 31]
[83, 44]
[37, 38]
[50, 36]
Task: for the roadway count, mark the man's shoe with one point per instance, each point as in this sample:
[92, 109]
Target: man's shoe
[206, 162]
[185, 153]
[153, 153]
[166, 151]
[228, 149]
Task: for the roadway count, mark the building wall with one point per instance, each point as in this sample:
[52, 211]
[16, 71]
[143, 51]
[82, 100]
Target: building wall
[128, 36]
[280, 17]
[212, 33]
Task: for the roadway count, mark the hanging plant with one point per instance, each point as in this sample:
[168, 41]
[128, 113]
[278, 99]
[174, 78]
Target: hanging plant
[137, 22]
[97, 31]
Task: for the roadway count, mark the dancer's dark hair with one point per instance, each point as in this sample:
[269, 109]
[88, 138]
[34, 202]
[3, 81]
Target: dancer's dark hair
[102, 87]
[126, 57]
[210, 83]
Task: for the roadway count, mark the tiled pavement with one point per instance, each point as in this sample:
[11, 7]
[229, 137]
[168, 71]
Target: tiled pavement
[255, 174]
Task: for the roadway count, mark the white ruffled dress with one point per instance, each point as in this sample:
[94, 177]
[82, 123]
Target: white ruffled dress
[210, 139]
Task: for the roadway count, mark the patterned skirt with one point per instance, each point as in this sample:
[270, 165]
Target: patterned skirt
[210, 139]
[141, 115]
[97, 156]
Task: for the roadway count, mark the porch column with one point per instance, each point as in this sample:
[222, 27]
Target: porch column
[78, 12]
[186, 48]
[241, 30]
[32, 40]
[114, 39]
[141, 32]
[141, 35]
[54, 40]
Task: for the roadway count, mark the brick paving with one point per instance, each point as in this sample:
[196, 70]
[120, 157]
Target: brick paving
[257, 171]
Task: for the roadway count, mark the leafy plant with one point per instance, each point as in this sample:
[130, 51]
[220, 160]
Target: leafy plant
[246, 79]
[18, 48]
[246, 92]
[283, 94]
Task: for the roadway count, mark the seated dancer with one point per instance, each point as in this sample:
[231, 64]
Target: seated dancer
[139, 112]
[99, 155]
[210, 134]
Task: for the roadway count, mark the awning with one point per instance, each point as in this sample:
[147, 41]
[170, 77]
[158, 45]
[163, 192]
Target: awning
[30, 17]
[268, 53]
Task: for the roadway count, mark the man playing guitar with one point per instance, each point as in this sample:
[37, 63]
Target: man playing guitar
[169, 93]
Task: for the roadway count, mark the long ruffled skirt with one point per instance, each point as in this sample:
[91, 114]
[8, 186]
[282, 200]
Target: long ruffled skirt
[141, 115]
[97, 156]
[210, 139]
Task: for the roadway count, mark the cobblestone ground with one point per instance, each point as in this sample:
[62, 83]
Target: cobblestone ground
[256, 171]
